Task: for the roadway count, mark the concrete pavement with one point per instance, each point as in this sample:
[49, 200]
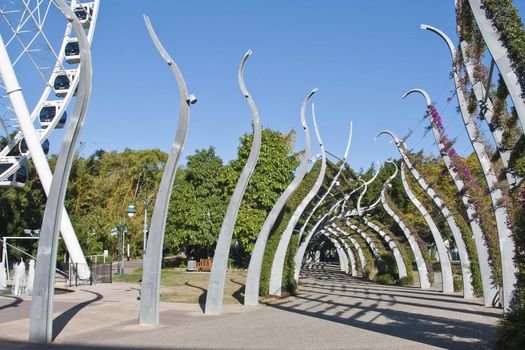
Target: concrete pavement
[332, 311]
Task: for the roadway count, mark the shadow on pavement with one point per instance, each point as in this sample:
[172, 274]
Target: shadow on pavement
[19, 346]
[202, 297]
[63, 319]
[364, 304]
[14, 303]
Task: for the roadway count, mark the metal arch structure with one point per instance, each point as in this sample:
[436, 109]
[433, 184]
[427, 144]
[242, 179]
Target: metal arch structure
[444, 259]
[392, 245]
[506, 241]
[35, 137]
[357, 247]
[41, 321]
[298, 258]
[497, 133]
[343, 255]
[299, 255]
[368, 240]
[400, 263]
[215, 295]
[468, 290]
[500, 56]
[150, 290]
[347, 249]
[424, 281]
[253, 279]
[332, 184]
[489, 290]
[276, 275]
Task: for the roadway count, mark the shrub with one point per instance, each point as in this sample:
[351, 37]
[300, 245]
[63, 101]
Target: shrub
[458, 283]
[510, 333]
[406, 281]
[385, 279]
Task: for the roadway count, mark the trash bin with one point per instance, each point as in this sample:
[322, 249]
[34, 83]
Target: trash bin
[192, 265]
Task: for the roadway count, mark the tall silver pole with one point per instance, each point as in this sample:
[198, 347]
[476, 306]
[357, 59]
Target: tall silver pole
[41, 320]
[420, 261]
[145, 230]
[489, 290]
[500, 55]
[215, 293]
[150, 291]
[506, 241]
[251, 294]
[276, 275]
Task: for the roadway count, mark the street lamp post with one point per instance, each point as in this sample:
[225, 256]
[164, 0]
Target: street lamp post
[145, 227]
[121, 230]
[131, 211]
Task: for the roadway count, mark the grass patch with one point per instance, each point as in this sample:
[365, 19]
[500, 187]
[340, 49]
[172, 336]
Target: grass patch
[179, 286]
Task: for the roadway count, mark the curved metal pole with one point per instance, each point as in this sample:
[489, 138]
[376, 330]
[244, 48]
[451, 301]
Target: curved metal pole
[489, 290]
[332, 184]
[299, 255]
[280, 254]
[420, 261]
[367, 239]
[497, 132]
[41, 320]
[215, 293]
[468, 289]
[439, 203]
[496, 195]
[356, 245]
[365, 185]
[390, 242]
[251, 294]
[343, 257]
[350, 255]
[444, 260]
[401, 268]
[500, 55]
[150, 291]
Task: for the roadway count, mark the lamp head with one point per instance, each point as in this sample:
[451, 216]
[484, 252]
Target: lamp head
[192, 99]
[131, 210]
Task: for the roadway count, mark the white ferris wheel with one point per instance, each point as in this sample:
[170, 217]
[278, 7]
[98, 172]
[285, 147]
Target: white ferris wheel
[44, 52]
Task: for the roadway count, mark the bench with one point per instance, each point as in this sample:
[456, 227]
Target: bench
[204, 265]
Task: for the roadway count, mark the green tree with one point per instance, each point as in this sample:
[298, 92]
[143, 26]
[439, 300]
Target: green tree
[197, 206]
[272, 174]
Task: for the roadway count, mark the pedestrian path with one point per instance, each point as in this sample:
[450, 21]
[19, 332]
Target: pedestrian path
[331, 311]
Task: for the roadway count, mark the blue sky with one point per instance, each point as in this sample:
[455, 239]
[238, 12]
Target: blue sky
[362, 55]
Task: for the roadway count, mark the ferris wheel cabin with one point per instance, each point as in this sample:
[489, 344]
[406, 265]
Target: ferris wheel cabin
[22, 147]
[18, 179]
[72, 51]
[49, 112]
[63, 82]
[84, 13]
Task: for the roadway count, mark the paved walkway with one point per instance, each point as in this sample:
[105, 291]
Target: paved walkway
[332, 311]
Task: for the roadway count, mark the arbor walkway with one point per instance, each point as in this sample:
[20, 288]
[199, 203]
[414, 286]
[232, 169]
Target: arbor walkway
[332, 311]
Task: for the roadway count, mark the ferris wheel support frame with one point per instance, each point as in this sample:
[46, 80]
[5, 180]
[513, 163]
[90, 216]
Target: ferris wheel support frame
[17, 99]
